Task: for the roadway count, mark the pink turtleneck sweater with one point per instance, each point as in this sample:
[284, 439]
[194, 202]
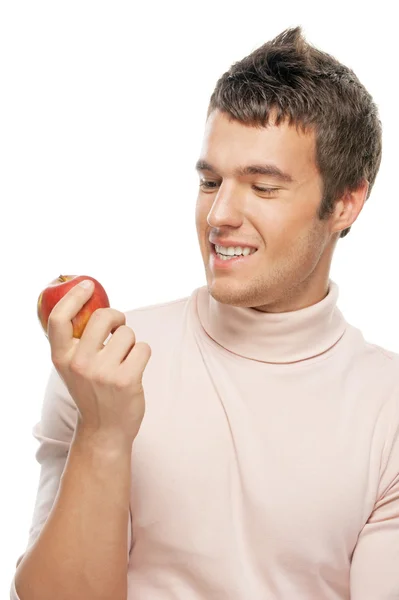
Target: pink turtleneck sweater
[267, 464]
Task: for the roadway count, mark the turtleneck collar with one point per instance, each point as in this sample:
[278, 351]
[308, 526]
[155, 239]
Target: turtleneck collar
[273, 337]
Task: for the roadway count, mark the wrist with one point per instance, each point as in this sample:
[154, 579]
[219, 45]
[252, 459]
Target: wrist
[100, 441]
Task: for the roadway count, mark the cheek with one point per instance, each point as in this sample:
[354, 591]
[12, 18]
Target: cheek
[202, 210]
[289, 234]
[288, 220]
[198, 213]
[199, 208]
[278, 225]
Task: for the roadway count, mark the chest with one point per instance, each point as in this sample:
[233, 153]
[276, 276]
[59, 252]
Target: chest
[279, 465]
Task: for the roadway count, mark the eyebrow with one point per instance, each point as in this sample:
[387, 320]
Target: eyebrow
[268, 169]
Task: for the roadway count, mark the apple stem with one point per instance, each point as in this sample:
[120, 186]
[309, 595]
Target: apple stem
[62, 278]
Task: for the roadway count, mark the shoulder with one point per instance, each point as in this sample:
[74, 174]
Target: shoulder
[384, 360]
[370, 359]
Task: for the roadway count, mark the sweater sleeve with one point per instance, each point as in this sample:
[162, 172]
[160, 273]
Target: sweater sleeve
[54, 433]
[375, 561]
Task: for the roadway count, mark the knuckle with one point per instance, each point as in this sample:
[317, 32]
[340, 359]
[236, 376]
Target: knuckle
[101, 377]
[116, 313]
[79, 365]
[121, 384]
[144, 348]
[111, 314]
[137, 388]
[57, 361]
[128, 382]
[119, 315]
[127, 331]
[54, 320]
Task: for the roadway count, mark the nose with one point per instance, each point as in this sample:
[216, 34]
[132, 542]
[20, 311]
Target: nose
[227, 208]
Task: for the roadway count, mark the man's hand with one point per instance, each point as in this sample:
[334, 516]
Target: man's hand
[104, 380]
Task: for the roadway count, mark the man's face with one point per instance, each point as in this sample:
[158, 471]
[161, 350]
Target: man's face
[293, 245]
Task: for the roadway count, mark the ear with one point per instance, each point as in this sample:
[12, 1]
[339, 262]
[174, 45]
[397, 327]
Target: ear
[348, 207]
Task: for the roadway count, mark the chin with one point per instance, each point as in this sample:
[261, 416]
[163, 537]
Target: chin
[235, 293]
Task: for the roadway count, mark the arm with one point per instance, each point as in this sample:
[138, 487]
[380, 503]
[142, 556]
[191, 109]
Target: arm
[55, 432]
[81, 550]
[80, 553]
[375, 563]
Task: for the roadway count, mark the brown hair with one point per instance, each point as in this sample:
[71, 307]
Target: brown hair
[310, 88]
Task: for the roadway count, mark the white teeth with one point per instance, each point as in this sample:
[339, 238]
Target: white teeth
[234, 251]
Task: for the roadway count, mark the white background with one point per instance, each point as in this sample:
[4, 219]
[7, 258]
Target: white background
[102, 110]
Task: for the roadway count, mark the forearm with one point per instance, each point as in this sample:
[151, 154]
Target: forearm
[81, 552]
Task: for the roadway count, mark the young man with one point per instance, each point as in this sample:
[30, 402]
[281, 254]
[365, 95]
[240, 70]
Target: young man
[267, 463]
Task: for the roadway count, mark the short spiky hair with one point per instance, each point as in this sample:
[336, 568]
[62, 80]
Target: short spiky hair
[309, 88]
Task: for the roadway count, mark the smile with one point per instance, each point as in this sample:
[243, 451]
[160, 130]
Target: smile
[219, 261]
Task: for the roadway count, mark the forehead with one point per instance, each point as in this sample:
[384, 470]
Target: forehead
[228, 144]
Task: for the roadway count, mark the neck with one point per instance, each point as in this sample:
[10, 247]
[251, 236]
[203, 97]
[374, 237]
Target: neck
[274, 337]
[298, 297]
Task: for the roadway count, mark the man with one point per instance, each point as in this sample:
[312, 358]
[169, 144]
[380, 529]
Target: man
[266, 463]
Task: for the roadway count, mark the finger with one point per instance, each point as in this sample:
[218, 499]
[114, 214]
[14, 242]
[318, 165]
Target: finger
[59, 327]
[98, 328]
[119, 346]
[133, 366]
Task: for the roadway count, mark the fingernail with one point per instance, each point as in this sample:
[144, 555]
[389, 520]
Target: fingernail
[86, 283]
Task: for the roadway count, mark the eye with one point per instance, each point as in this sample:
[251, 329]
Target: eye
[208, 185]
[265, 190]
[212, 185]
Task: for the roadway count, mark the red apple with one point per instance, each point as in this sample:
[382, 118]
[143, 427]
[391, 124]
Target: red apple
[58, 288]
